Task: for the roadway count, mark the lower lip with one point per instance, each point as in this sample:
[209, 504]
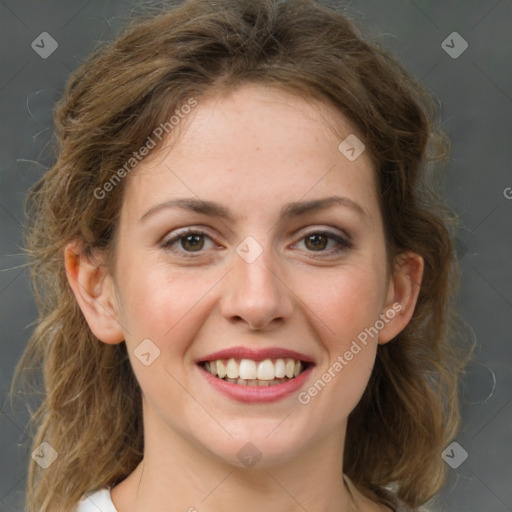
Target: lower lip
[257, 394]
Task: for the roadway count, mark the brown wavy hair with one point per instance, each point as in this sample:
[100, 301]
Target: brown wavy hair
[91, 412]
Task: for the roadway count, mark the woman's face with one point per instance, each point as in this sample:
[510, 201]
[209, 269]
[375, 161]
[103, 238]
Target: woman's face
[284, 261]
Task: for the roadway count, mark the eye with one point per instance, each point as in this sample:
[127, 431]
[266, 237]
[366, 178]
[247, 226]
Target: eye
[318, 241]
[189, 241]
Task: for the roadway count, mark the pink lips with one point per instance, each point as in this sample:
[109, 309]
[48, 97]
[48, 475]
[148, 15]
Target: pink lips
[256, 394]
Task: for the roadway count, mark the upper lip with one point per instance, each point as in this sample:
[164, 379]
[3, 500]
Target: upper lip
[256, 354]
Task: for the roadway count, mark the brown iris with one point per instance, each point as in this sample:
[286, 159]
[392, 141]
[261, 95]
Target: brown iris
[318, 241]
[194, 242]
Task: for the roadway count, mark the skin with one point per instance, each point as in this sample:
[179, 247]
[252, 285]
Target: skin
[252, 150]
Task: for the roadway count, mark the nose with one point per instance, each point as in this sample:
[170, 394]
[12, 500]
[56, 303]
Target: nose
[256, 293]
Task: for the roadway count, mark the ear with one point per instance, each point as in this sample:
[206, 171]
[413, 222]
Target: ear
[93, 288]
[403, 290]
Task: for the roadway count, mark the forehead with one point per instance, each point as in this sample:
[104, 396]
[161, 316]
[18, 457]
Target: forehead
[253, 148]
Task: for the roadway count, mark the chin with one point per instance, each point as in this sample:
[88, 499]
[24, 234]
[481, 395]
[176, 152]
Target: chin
[261, 443]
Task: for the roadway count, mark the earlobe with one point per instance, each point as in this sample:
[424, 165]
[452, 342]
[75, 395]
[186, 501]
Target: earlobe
[93, 289]
[403, 291]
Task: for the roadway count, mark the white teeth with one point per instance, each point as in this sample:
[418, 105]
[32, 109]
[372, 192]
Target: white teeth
[255, 373]
[266, 370]
[290, 367]
[221, 369]
[232, 369]
[280, 368]
[248, 369]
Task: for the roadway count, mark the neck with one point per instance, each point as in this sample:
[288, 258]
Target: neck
[179, 475]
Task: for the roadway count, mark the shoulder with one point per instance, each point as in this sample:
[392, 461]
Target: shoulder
[93, 501]
[395, 504]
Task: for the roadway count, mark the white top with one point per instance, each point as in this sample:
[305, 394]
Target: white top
[96, 501]
[100, 501]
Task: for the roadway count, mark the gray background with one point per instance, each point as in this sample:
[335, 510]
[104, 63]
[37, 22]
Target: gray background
[475, 93]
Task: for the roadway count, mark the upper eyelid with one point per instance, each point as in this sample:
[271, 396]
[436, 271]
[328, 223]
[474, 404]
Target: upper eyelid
[185, 232]
[330, 230]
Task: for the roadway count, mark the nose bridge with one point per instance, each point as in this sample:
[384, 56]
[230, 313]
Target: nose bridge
[255, 291]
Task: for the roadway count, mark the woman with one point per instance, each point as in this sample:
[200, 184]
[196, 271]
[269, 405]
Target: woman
[247, 279]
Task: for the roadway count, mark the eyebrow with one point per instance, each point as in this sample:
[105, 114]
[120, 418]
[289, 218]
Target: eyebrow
[288, 211]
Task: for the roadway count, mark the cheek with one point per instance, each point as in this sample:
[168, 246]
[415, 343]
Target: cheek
[162, 305]
[346, 301]
[347, 304]
[165, 308]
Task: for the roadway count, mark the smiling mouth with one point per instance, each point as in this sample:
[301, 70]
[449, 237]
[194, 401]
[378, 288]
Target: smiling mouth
[248, 372]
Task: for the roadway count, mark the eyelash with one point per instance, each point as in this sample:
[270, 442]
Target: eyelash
[344, 244]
